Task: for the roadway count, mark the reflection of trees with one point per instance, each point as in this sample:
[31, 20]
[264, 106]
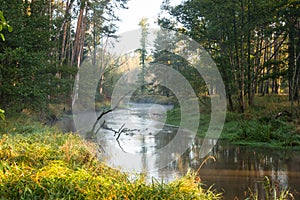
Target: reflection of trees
[164, 137]
[241, 167]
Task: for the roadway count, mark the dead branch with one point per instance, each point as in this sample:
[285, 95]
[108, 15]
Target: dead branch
[106, 112]
[101, 126]
[119, 131]
[121, 146]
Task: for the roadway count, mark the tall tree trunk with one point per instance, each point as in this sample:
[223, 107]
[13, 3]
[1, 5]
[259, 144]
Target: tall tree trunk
[79, 33]
[275, 88]
[77, 52]
[257, 64]
[293, 93]
[64, 43]
[65, 26]
[228, 90]
[249, 71]
[241, 64]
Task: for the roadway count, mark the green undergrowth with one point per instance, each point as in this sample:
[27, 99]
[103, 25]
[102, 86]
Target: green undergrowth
[38, 162]
[256, 127]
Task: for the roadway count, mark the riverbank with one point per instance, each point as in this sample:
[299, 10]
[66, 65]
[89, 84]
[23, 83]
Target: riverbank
[258, 126]
[39, 162]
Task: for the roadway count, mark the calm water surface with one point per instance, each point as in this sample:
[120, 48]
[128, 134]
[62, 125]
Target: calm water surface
[236, 169]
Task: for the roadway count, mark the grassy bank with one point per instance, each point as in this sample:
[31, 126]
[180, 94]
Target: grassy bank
[256, 127]
[38, 162]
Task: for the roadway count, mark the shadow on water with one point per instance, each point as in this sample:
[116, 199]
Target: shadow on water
[236, 169]
[65, 124]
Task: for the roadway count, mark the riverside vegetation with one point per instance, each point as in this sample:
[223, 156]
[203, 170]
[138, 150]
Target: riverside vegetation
[40, 162]
[255, 45]
[260, 125]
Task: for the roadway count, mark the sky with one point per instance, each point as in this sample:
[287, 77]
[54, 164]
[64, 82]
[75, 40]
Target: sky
[137, 10]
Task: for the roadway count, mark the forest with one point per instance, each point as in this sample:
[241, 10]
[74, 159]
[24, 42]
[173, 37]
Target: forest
[255, 45]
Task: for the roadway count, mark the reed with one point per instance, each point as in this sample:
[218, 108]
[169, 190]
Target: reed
[271, 192]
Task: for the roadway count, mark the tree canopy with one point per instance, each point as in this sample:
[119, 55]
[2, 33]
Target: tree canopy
[39, 59]
[254, 43]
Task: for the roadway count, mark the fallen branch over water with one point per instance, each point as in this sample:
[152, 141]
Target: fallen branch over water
[106, 112]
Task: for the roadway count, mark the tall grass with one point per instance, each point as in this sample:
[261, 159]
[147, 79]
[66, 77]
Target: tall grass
[42, 163]
[272, 192]
[266, 131]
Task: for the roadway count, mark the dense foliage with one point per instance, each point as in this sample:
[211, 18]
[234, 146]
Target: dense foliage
[254, 43]
[40, 57]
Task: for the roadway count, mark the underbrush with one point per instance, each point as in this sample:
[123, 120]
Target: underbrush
[37, 162]
[268, 131]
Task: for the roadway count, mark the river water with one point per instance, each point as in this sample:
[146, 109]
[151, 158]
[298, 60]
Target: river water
[234, 171]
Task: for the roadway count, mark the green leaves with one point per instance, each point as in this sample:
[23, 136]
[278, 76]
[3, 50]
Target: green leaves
[4, 25]
[2, 17]
[2, 36]
[2, 116]
[9, 28]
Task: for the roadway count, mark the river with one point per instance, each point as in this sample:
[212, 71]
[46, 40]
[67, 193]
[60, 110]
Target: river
[235, 170]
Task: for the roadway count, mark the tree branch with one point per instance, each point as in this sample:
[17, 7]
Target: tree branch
[106, 112]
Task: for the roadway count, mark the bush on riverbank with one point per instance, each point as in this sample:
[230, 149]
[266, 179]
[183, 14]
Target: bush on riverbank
[269, 131]
[37, 162]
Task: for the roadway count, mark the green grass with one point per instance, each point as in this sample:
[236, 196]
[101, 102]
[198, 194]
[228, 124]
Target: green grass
[38, 162]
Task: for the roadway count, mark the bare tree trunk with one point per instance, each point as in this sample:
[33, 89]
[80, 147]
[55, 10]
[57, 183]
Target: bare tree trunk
[78, 47]
[78, 35]
[276, 68]
[65, 25]
[63, 46]
[241, 65]
[256, 65]
[249, 71]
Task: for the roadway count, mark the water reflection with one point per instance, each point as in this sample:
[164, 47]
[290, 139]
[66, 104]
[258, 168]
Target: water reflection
[236, 168]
